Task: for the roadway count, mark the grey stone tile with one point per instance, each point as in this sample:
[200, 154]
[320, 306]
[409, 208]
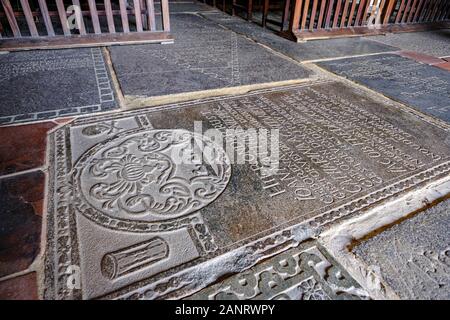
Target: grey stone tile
[303, 273]
[424, 87]
[38, 85]
[310, 50]
[204, 56]
[414, 255]
[116, 186]
[434, 43]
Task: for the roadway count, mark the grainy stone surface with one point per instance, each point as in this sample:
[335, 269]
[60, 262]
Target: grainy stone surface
[20, 288]
[434, 43]
[37, 85]
[303, 273]
[204, 56]
[116, 185]
[21, 202]
[311, 50]
[414, 255]
[424, 87]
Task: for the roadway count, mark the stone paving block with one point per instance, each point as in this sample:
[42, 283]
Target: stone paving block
[23, 147]
[304, 273]
[423, 87]
[37, 85]
[203, 57]
[20, 288]
[21, 200]
[117, 190]
[434, 43]
[311, 50]
[414, 255]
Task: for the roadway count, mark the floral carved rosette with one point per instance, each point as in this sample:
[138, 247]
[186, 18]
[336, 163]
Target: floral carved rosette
[136, 181]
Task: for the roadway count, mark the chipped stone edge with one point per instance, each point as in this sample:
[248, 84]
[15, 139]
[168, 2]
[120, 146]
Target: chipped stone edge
[338, 241]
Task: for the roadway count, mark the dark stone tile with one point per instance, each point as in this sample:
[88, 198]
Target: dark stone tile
[203, 57]
[185, 6]
[423, 87]
[21, 200]
[414, 255]
[44, 84]
[434, 43]
[23, 147]
[20, 288]
[307, 272]
[310, 50]
[118, 190]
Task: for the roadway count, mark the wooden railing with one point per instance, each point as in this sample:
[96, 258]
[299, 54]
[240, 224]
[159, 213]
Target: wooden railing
[30, 24]
[312, 19]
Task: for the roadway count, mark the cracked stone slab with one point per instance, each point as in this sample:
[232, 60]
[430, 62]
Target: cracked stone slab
[306, 272]
[434, 43]
[307, 51]
[38, 85]
[203, 57]
[413, 256]
[423, 87]
[139, 224]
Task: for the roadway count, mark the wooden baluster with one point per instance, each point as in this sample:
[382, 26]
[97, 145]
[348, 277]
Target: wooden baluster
[305, 14]
[94, 16]
[29, 18]
[151, 15]
[9, 12]
[418, 10]
[124, 16]
[365, 13]
[287, 4]
[329, 13]
[337, 12]
[406, 11]
[63, 17]
[165, 15]
[294, 23]
[109, 16]
[352, 13]
[321, 14]
[312, 20]
[387, 14]
[265, 12]
[46, 18]
[360, 11]
[137, 15]
[344, 13]
[412, 11]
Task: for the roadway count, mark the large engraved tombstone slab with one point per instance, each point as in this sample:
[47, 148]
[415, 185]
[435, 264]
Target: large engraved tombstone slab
[139, 224]
[421, 86]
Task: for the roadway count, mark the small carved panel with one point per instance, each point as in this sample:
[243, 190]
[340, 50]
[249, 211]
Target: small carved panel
[303, 273]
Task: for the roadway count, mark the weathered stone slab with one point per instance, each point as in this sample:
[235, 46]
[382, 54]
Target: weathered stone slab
[38, 85]
[303, 273]
[435, 43]
[424, 87]
[414, 256]
[203, 57]
[310, 50]
[117, 191]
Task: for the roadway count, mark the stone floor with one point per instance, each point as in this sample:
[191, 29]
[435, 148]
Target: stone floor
[98, 206]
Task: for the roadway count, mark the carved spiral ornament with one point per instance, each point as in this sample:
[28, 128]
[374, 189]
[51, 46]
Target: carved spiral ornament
[150, 176]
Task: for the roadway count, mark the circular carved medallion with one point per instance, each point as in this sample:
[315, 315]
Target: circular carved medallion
[137, 179]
